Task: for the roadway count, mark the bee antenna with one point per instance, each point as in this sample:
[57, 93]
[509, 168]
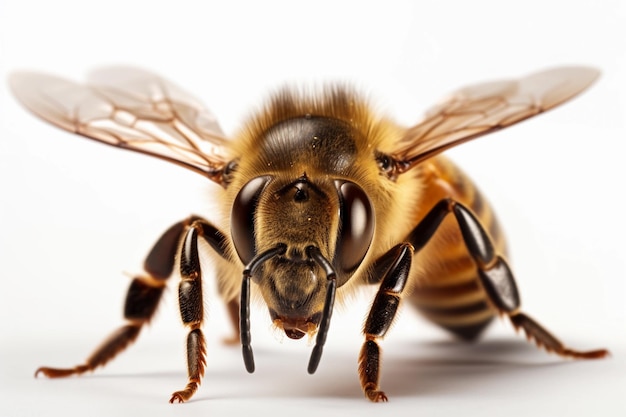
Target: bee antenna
[331, 288]
[244, 302]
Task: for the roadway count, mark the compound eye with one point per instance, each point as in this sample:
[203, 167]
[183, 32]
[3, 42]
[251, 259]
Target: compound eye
[356, 226]
[242, 218]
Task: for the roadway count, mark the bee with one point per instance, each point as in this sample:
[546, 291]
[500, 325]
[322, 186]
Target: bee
[320, 196]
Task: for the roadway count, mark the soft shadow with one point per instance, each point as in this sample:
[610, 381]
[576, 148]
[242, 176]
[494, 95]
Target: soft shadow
[450, 367]
[409, 369]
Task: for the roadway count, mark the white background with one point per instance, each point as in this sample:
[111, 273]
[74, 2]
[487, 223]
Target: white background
[75, 215]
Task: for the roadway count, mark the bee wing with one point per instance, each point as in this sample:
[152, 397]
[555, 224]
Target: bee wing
[131, 109]
[483, 108]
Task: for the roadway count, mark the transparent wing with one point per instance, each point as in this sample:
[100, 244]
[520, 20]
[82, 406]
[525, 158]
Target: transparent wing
[483, 108]
[131, 109]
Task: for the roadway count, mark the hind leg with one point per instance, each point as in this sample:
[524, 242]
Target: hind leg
[142, 300]
[499, 284]
[485, 286]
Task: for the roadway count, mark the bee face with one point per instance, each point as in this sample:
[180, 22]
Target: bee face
[299, 200]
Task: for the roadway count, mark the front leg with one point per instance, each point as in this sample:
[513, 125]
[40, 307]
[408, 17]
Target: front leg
[395, 264]
[191, 304]
[494, 275]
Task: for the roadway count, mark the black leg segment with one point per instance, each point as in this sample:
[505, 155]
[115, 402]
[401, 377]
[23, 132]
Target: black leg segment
[142, 300]
[145, 293]
[395, 265]
[494, 276]
[191, 303]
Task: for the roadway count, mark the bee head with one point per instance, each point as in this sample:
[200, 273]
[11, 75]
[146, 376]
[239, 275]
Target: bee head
[300, 239]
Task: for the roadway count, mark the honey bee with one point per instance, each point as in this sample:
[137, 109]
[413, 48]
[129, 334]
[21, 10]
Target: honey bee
[320, 196]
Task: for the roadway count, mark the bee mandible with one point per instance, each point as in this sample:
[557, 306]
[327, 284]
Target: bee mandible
[320, 195]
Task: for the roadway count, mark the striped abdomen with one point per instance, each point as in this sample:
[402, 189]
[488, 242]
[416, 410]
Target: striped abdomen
[447, 290]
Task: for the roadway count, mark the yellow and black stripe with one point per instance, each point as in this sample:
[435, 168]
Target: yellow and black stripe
[447, 290]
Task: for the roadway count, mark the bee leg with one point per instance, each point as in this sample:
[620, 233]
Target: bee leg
[142, 299]
[498, 282]
[394, 266]
[190, 302]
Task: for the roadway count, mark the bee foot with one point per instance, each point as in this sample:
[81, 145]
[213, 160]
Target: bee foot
[376, 396]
